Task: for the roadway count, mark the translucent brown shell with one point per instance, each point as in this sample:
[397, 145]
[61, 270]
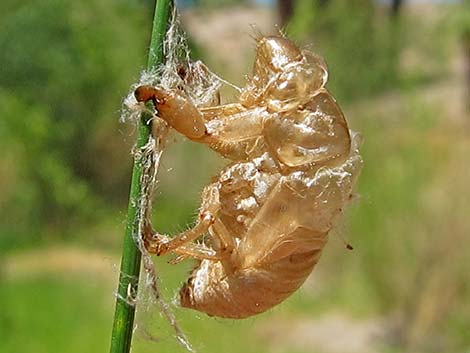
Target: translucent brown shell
[293, 166]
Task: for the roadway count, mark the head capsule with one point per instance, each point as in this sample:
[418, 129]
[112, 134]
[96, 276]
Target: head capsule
[273, 54]
[283, 75]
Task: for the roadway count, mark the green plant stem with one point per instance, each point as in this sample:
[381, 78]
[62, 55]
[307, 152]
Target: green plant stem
[131, 257]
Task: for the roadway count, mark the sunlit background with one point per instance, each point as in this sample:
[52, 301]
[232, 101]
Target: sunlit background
[399, 69]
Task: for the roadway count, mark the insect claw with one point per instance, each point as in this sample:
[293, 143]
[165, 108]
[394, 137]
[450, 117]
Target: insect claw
[162, 249]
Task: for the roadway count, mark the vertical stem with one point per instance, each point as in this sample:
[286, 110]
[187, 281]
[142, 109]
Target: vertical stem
[130, 262]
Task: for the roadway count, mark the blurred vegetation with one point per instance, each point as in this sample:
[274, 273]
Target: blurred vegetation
[208, 4]
[367, 60]
[65, 171]
[63, 73]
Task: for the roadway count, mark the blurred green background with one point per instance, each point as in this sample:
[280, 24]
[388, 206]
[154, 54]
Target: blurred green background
[400, 71]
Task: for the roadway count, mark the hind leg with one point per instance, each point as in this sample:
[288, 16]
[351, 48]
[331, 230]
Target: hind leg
[160, 244]
[195, 251]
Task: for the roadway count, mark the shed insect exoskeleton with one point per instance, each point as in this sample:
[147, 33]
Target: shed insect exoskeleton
[293, 165]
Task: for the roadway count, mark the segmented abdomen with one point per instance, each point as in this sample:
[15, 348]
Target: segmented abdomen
[248, 291]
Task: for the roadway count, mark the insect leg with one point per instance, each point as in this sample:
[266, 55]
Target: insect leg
[211, 205]
[220, 231]
[176, 109]
[153, 243]
[160, 244]
[195, 251]
[227, 252]
[235, 123]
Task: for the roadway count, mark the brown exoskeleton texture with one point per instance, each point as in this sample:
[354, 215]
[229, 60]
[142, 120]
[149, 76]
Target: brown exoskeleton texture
[293, 165]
